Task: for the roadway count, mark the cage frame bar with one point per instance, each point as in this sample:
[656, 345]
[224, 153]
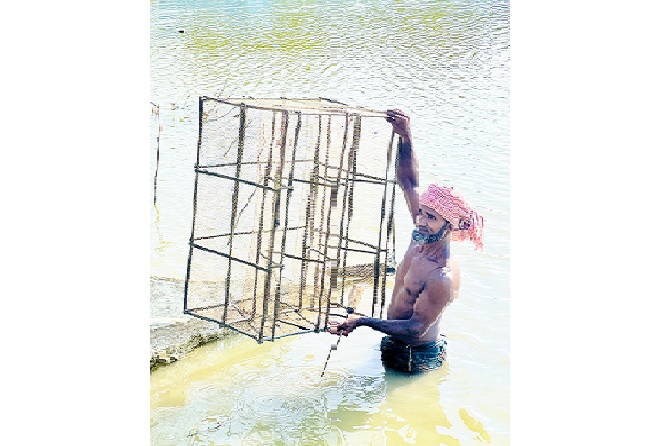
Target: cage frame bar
[195, 207]
[236, 192]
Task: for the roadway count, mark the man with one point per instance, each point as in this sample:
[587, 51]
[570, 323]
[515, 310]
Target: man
[427, 280]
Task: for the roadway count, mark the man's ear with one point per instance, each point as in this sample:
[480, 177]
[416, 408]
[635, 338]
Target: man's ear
[464, 224]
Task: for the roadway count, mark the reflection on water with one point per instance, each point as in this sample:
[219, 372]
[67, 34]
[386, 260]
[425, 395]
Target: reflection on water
[444, 62]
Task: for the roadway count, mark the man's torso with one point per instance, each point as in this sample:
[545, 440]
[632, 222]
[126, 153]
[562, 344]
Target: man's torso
[411, 280]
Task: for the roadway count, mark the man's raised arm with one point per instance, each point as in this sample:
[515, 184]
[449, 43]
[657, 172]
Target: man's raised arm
[408, 165]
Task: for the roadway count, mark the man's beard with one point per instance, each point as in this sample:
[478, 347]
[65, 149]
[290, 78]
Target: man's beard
[422, 238]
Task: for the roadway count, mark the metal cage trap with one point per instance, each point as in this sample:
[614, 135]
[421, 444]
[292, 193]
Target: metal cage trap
[292, 214]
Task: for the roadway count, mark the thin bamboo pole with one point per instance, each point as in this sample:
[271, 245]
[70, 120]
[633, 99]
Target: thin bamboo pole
[275, 224]
[233, 212]
[259, 238]
[307, 108]
[318, 272]
[349, 194]
[333, 203]
[195, 206]
[309, 221]
[389, 228]
[158, 144]
[377, 266]
[289, 190]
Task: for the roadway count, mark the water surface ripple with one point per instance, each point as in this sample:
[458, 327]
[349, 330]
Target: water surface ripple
[447, 64]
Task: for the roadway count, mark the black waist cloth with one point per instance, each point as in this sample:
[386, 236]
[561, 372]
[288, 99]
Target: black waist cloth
[413, 358]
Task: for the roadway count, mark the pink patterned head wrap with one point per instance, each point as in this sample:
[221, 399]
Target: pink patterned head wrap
[453, 208]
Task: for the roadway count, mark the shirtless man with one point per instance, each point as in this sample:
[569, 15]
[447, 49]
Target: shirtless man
[427, 280]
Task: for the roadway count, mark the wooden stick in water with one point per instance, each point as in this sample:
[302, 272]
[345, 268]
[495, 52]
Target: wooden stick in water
[332, 347]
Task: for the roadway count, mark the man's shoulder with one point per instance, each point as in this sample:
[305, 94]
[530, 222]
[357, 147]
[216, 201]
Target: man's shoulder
[440, 275]
[439, 287]
[445, 279]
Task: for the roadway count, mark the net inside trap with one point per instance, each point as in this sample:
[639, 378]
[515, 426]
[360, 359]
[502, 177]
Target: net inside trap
[292, 214]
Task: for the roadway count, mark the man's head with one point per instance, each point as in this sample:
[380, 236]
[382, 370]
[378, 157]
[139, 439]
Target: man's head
[430, 226]
[443, 211]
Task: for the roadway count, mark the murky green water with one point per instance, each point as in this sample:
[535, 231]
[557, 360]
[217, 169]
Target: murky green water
[447, 64]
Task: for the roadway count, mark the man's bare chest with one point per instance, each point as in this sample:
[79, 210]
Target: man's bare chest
[412, 279]
[416, 277]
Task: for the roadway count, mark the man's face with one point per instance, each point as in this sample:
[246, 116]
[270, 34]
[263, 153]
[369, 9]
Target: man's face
[428, 221]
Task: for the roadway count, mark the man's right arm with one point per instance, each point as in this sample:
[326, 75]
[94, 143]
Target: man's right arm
[426, 311]
[408, 165]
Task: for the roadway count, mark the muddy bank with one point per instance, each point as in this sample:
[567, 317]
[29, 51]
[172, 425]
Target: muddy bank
[172, 333]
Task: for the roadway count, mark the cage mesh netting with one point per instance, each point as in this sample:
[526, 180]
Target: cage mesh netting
[292, 214]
